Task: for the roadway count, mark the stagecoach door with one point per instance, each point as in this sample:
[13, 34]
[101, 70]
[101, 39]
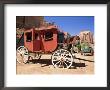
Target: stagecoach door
[37, 41]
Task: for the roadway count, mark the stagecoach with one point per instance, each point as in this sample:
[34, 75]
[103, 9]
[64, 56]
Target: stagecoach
[36, 42]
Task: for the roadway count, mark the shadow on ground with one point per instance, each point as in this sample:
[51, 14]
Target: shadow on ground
[84, 59]
[47, 62]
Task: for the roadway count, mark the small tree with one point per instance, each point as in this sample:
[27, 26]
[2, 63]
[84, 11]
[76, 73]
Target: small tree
[78, 45]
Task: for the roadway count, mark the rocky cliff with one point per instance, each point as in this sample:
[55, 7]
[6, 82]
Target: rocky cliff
[86, 36]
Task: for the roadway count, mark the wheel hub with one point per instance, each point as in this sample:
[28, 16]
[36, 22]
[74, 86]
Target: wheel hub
[62, 60]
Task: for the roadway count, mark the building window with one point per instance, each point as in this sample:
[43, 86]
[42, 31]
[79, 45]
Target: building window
[48, 35]
[28, 36]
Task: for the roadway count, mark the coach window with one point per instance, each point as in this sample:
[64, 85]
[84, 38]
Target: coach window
[48, 35]
[28, 36]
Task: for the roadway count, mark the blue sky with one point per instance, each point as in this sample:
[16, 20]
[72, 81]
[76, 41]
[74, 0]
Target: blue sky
[73, 24]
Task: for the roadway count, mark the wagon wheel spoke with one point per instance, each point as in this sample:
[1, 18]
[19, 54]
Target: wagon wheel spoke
[56, 56]
[60, 64]
[66, 64]
[57, 63]
[68, 57]
[69, 61]
[55, 59]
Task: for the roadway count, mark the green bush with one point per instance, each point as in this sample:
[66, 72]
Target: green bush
[84, 45]
[78, 46]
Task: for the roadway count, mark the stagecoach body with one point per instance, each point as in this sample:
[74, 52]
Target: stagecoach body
[41, 40]
[45, 40]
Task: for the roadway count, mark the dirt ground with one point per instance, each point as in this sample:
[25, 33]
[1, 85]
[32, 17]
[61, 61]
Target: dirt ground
[83, 65]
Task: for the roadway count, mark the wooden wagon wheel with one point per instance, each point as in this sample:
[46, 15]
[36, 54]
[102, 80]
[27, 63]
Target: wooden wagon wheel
[62, 59]
[22, 54]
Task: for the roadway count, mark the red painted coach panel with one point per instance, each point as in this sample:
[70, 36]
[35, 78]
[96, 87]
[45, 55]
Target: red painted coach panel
[50, 45]
[28, 41]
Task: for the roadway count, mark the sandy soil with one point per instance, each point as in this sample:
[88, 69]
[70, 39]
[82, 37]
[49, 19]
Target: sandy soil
[82, 65]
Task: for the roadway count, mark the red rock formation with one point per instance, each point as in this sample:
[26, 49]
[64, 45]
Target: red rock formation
[86, 36]
[31, 21]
